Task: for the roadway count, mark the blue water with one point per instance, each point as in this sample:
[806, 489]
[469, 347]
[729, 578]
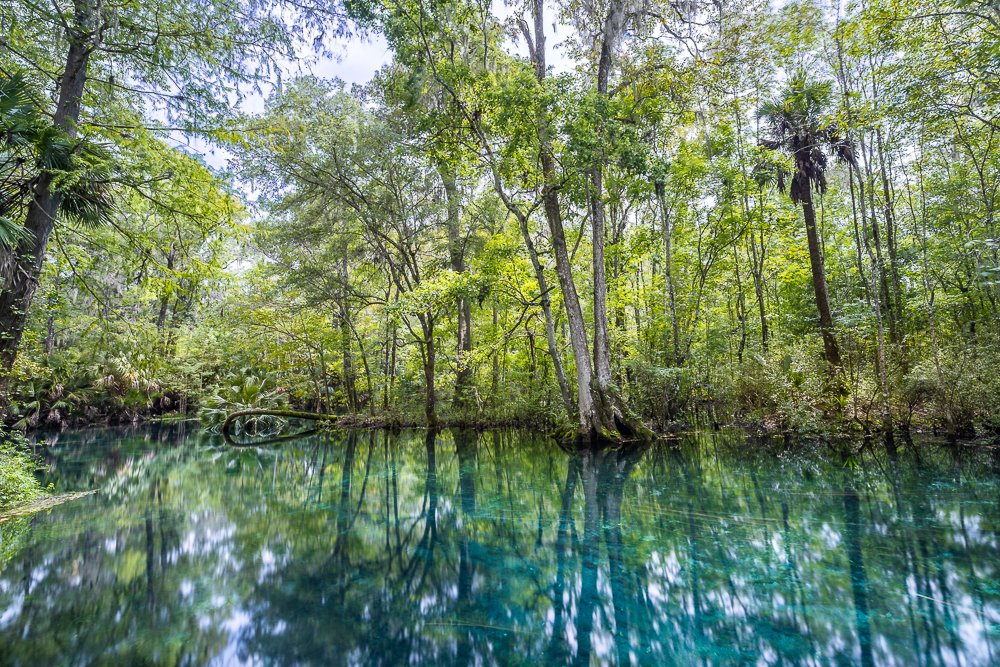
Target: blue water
[501, 548]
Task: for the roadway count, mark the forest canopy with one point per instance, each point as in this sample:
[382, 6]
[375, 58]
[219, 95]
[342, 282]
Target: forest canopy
[609, 218]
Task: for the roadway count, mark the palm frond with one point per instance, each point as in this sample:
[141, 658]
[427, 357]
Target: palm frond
[11, 232]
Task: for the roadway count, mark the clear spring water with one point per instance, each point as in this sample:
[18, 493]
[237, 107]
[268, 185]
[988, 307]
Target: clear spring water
[501, 548]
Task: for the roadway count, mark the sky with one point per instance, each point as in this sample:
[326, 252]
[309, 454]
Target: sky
[355, 60]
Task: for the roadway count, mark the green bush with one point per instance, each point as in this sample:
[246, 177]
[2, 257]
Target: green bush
[18, 484]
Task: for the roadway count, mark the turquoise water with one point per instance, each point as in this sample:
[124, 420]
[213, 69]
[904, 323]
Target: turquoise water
[501, 548]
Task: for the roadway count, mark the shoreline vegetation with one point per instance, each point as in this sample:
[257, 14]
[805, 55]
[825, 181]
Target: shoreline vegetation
[779, 218]
[985, 431]
[19, 486]
[262, 424]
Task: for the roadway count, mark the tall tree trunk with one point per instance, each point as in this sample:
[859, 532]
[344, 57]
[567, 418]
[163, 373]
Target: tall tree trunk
[550, 328]
[456, 252]
[877, 240]
[920, 232]
[878, 276]
[741, 306]
[164, 309]
[346, 333]
[873, 293]
[608, 417]
[755, 254]
[830, 348]
[668, 274]
[602, 345]
[612, 413]
[890, 232]
[21, 267]
[564, 269]
[347, 360]
[757, 271]
[495, 370]
[429, 359]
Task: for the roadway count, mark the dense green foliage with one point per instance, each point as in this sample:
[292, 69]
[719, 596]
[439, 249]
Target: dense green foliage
[723, 211]
[18, 484]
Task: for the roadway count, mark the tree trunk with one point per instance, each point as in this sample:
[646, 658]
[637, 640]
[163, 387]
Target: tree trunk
[830, 348]
[873, 293]
[347, 359]
[20, 269]
[612, 418]
[456, 252]
[877, 241]
[876, 258]
[550, 328]
[668, 272]
[429, 359]
[610, 33]
[602, 413]
[346, 333]
[564, 268]
[757, 271]
[890, 231]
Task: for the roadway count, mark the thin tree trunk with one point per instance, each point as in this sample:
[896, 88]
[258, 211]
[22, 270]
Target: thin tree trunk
[890, 231]
[463, 371]
[755, 255]
[346, 333]
[877, 241]
[429, 359]
[495, 374]
[878, 276]
[550, 329]
[872, 291]
[347, 360]
[741, 307]
[668, 272]
[757, 271]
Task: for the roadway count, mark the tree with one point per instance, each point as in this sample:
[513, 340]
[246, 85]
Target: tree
[42, 162]
[799, 128]
[187, 57]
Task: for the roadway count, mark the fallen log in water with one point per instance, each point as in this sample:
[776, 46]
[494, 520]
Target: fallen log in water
[265, 412]
[41, 505]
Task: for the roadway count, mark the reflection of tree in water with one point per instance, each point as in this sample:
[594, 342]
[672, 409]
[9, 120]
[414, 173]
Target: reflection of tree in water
[466, 548]
[128, 570]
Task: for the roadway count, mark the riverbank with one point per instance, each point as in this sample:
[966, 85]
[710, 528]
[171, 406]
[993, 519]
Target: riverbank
[777, 425]
[18, 484]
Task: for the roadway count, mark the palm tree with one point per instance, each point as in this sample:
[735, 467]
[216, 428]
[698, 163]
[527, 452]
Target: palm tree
[796, 123]
[35, 152]
[19, 125]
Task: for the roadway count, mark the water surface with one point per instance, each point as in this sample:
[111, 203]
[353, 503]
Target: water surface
[501, 548]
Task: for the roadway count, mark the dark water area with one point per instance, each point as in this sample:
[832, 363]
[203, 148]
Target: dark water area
[501, 548]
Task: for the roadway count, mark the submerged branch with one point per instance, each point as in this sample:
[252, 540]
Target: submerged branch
[291, 414]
